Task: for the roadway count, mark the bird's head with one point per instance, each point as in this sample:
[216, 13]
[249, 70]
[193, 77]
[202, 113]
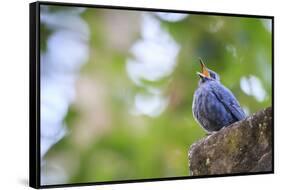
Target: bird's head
[207, 74]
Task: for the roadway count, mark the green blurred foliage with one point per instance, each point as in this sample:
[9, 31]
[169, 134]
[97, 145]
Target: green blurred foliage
[139, 147]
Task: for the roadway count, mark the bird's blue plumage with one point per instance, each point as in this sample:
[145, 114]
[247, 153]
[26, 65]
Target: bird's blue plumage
[214, 106]
[226, 97]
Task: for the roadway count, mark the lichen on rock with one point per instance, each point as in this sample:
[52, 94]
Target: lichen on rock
[242, 147]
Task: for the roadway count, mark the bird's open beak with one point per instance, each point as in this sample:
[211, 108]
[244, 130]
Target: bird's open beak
[204, 72]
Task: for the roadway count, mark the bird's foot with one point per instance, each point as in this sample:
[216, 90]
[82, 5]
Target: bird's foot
[210, 133]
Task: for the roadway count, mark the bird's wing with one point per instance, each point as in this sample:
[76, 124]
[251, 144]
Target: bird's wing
[229, 101]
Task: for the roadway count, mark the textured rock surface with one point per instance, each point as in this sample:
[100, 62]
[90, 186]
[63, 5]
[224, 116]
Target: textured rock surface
[244, 146]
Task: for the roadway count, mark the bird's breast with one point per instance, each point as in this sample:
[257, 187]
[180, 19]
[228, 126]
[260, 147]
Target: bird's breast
[208, 110]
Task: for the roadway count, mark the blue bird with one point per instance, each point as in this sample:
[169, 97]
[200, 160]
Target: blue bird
[214, 106]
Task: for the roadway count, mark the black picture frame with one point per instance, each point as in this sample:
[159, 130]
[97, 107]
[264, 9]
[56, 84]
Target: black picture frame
[34, 92]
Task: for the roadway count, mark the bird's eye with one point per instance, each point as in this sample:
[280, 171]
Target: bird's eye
[214, 76]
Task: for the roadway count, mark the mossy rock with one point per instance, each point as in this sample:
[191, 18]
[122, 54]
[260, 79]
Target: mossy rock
[243, 147]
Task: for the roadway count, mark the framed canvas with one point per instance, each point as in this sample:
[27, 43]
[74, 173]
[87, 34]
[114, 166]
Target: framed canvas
[126, 94]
